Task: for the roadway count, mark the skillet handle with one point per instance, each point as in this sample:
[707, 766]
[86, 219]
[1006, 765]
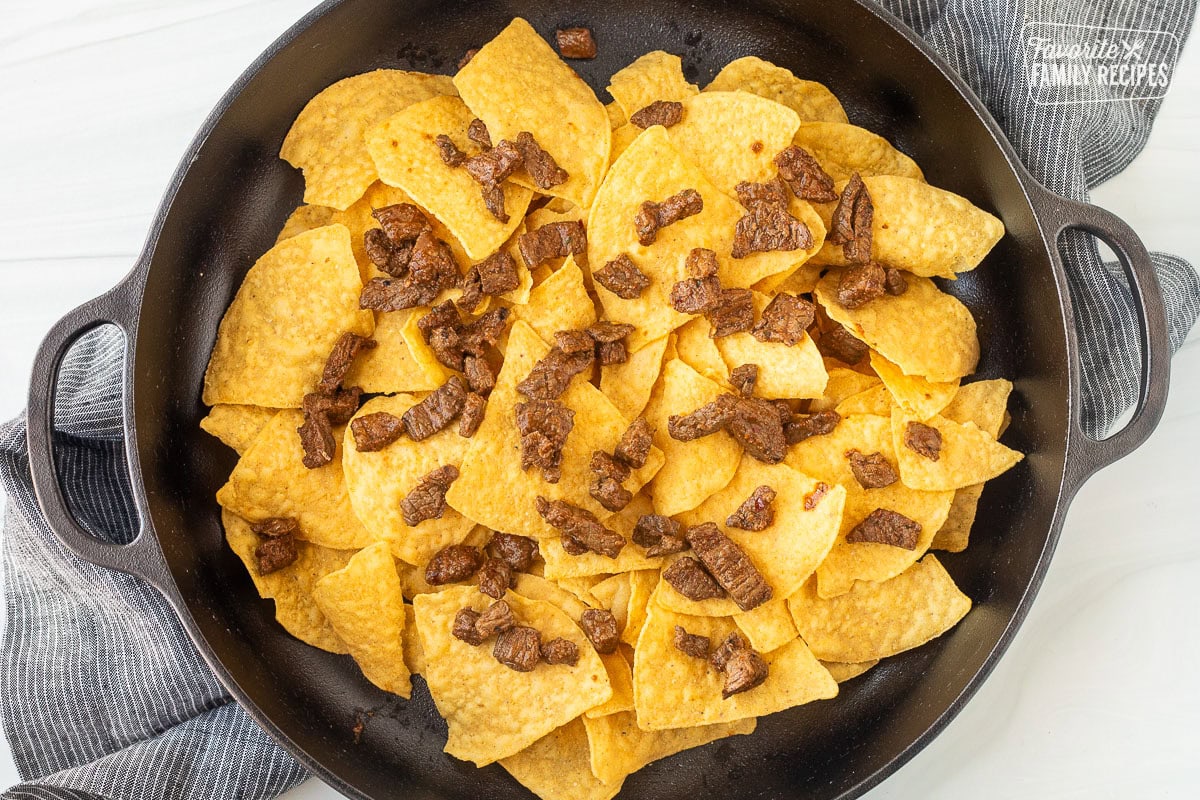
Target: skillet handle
[1087, 455]
[141, 557]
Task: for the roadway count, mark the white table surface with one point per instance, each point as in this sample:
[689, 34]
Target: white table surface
[1098, 696]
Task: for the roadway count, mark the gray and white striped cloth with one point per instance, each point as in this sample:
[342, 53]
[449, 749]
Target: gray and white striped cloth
[102, 694]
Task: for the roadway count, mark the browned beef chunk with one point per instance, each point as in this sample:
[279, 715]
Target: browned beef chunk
[773, 192]
[894, 282]
[402, 222]
[496, 618]
[654, 216]
[818, 424]
[650, 529]
[493, 200]
[383, 253]
[756, 513]
[560, 651]
[277, 526]
[464, 627]
[552, 240]
[442, 315]
[383, 294]
[472, 291]
[803, 174]
[706, 420]
[924, 440]
[691, 644]
[785, 319]
[729, 645]
[689, 577]
[437, 410]
[275, 553]
[448, 150]
[839, 343]
[769, 227]
[340, 359]
[609, 493]
[540, 165]
[493, 166]
[600, 627]
[495, 578]
[427, 500]
[477, 132]
[581, 525]
[622, 277]
[518, 552]
[479, 374]
[544, 426]
[605, 466]
[609, 353]
[376, 431]
[551, 376]
[744, 670]
[634, 445]
[872, 471]
[321, 412]
[660, 112]
[744, 378]
[667, 545]
[700, 291]
[574, 342]
[756, 426]
[729, 565]
[471, 418]
[734, 313]
[851, 224]
[433, 263]
[572, 547]
[467, 56]
[446, 344]
[519, 648]
[453, 564]
[498, 273]
[885, 526]
[860, 284]
[575, 43]
[813, 498]
[604, 332]
[484, 331]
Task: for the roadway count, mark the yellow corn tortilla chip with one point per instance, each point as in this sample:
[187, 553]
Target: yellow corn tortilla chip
[674, 690]
[560, 303]
[492, 711]
[843, 672]
[876, 620]
[769, 626]
[734, 136]
[955, 532]
[378, 482]
[305, 218]
[924, 331]
[786, 552]
[620, 676]
[390, 366]
[581, 587]
[876, 401]
[809, 99]
[641, 585]
[561, 564]
[516, 82]
[237, 426]
[620, 748]
[622, 137]
[783, 371]
[326, 140]
[844, 149]
[493, 490]
[270, 480]
[697, 348]
[922, 229]
[414, 656]
[981, 402]
[533, 587]
[405, 155]
[628, 385]
[920, 397]
[275, 336]
[291, 587]
[558, 767]
[968, 455]
[616, 115]
[612, 593]
[843, 384]
[363, 603]
[692, 471]
[654, 76]
[428, 368]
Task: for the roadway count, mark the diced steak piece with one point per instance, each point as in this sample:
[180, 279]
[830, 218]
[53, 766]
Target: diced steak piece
[744, 670]
[448, 150]
[402, 222]
[839, 343]
[498, 273]
[551, 376]
[860, 284]
[622, 277]
[818, 424]
[924, 440]
[437, 410]
[734, 313]
[575, 43]
[655, 216]
[519, 648]
[708, 419]
[605, 332]
[756, 513]
[580, 525]
[552, 240]
[785, 320]
[453, 564]
[376, 431]
[729, 565]
[894, 282]
[651, 528]
[660, 112]
[689, 577]
[872, 471]
[477, 132]
[274, 553]
[609, 353]
[804, 175]
[600, 627]
[772, 192]
[691, 644]
[635, 443]
[496, 618]
[851, 224]
[518, 552]
[479, 374]
[464, 627]
[427, 500]
[769, 227]
[540, 165]
[756, 426]
[472, 415]
[729, 645]
[493, 166]
[560, 651]
[571, 342]
[386, 255]
[495, 578]
[277, 526]
[744, 378]
[544, 426]
[884, 526]
[340, 359]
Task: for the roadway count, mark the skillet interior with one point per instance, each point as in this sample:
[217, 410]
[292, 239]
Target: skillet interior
[234, 199]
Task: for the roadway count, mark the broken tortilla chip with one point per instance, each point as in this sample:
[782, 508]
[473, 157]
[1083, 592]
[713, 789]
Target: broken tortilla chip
[969, 455]
[844, 149]
[620, 748]
[652, 77]
[812, 101]
[237, 426]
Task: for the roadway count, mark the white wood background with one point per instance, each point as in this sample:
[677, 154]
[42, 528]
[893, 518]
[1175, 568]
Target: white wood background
[1098, 697]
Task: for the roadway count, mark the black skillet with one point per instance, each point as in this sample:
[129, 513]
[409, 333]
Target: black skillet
[228, 200]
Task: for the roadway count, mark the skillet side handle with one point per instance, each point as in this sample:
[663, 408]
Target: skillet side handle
[1087, 455]
[142, 557]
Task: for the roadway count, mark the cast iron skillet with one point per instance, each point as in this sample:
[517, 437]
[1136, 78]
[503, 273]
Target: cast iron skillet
[228, 200]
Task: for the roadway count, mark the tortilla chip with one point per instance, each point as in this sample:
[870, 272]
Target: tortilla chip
[390, 366]
[769, 626]
[616, 115]
[362, 602]
[916, 395]
[291, 587]
[270, 480]
[493, 490]
[922, 229]
[622, 137]
[845, 149]
[237, 426]
[955, 532]
[981, 402]
[876, 401]
[876, 620]
[379, 481]
[428, 368]
[533, 587]
[968, 456]
[326, 140]
[692, 471]
[902, 328]
[809, 99]
[414, 656]
[783, 371]
[516, 82]
[492, 711]
[620, 748]
[734, 136]
[305, 218]
[674, 690]
[612, 593]
[698, 349]
[843, 384]
[641, 585]
[558, 767]
[561, 564]
[620, 676]
[276, 334]
[628, 385]
[560, 303]
[843, 672]
[786, 552]
[803, 279]
[654, 76]
[581, 587]
[405, 155]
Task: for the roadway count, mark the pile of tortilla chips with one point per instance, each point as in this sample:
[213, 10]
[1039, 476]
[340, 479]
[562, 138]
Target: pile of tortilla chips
[838, 607]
